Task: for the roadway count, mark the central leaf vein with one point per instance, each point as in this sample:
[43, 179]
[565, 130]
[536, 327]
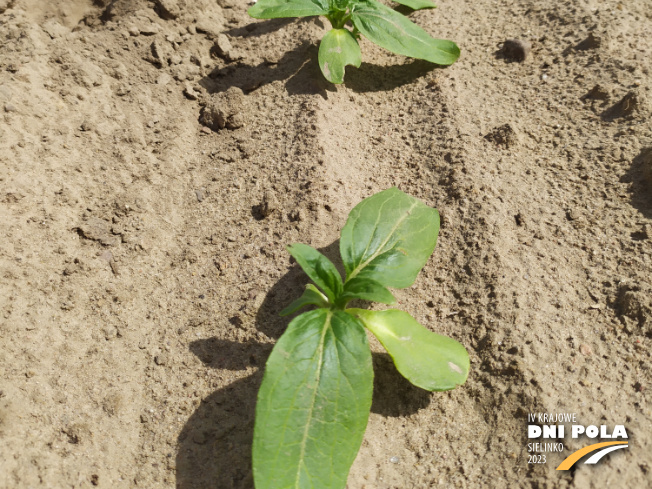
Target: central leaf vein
[380, 250]
[311, 408]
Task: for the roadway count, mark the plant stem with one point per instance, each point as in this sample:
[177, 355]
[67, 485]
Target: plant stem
[338, 18]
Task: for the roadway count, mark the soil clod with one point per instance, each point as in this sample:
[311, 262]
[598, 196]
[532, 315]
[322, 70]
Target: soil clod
[516, 49]
[224, 110]
[222, 48]
[268, 205]
[502, 136]
[190, 92]
[161, 359]
[167, 9]
[98, 230]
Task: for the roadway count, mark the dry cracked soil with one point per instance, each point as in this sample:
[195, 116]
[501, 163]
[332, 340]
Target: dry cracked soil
[156, 157]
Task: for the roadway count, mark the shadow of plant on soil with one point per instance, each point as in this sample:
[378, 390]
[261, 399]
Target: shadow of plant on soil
[214, 446]
[376, 78]
[639, 175]
[255, 29]
[298, 68]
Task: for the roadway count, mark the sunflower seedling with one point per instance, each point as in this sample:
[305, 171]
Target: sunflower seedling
[350, 18]
[314, 401]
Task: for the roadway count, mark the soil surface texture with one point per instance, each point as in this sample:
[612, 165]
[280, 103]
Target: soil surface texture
[156, 157]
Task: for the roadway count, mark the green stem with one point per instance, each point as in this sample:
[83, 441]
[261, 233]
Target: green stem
[338, 18]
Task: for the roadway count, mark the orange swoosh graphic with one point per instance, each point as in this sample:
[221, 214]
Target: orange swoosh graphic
[575, 456]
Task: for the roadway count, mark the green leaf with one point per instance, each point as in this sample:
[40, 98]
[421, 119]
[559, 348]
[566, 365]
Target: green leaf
[391, 30]
[337, 49]
[319, 268]
[341, 4]
[274, 9]
[366, 289]
[417, 4]
[310, 296]
[313, 404]
[388, 238]
[428, 360]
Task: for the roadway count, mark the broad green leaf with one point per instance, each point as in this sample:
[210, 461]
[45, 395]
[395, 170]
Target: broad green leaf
[388, 238]
[310, 297]
[366, 289]
[313, 404]
[417, 4]
[428, 360]
[337, 49]
[274, 9]
[393, 31]
[319, 268]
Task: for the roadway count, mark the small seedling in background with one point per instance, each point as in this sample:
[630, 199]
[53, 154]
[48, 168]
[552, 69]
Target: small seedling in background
[314, 401]
[377, 22]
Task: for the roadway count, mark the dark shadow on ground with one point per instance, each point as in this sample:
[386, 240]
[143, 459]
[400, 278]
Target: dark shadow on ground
[255, 29]
[215, 443]
[624, 109]
[639, 176]
[260, 28]
[375, 78]
[394, 395]
[298, 68]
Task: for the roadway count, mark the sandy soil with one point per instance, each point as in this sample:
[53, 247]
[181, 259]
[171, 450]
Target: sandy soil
[143, 261]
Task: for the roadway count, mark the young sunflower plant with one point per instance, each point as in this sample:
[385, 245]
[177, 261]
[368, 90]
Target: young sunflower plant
[352, 18]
